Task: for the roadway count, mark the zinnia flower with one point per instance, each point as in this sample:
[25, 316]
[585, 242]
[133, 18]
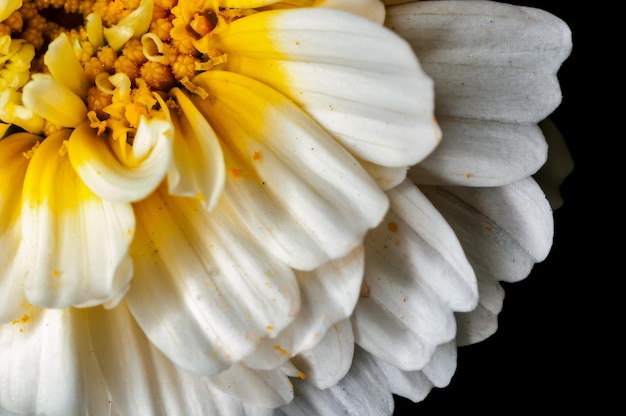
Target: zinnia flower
[194, 196]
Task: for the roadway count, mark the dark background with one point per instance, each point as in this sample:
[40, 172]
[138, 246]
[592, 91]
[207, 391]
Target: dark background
[555, 349]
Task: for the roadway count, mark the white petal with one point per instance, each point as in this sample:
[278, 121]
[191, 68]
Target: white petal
[482, 153]
[386, 177]
[12, 299]
[293, 186]
[41, 364]
[198, 163]
[129, 180]
[362, 83]
[489, 60]
[75, 243]
[328, 295]
[503, 230]
[360, 393]
[330, 360]
[203, 287]
[260, 388]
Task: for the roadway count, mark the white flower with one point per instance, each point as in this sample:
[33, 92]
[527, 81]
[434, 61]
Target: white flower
[229, 180]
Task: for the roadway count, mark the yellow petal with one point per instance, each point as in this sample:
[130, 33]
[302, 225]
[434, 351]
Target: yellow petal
[53, 101]
[7, 7]
[64, 66]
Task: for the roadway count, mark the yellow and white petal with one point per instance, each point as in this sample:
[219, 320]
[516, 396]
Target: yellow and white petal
[75, 243]
[146, 164]
[131, 26]
[128, 361]
[198, 167]
[202, 286]
[367, 89]
[14, 164]
[416, 277]
[328, 296]
[52, 100]
[13, 111]
[298, 191]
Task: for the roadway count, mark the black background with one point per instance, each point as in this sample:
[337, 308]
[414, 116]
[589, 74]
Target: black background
[555, 349]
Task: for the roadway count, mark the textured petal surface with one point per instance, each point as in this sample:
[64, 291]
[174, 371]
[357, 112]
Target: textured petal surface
[416, 275]
[367, 90]
[504, 232]
[495, 68]
[201, 286]
[141, 380]
[298, 191]
[75, 243]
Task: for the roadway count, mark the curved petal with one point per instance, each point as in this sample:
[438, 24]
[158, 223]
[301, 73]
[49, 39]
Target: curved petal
[504, 232]
[75, 243]
[489, 60]
[61, 61]
[128, 180]
[328, 295]
[198, 162]
[329, 361]
[50, 99]
[482, 153]
[367, 90]
[14, 165]
[141, 380]
[298, 192]
[201, 286]
[357, 394]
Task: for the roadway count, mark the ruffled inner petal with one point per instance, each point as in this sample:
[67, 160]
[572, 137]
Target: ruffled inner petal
[75, 243]
[131, 179]
[203, 287]
[285, 174]
[367, 90]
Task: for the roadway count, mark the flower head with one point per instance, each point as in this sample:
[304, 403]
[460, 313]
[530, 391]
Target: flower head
[206, 205]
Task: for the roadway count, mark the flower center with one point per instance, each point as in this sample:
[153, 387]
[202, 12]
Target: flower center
[126, 53]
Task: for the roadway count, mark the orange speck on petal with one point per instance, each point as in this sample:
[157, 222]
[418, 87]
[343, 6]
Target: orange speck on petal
[468, 175]
[487, 228]
[235, 172]
[55, 273]
[280, 349]
[392, 226]
[257, 156]
[269, 327]
[301, 375]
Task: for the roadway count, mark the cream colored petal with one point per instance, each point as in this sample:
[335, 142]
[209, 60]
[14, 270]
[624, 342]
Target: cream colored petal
[198, 162]
[75, 243]
[328, 296]
[489, 60]
[51, 100]
[61, 61]
[131, 26]
[123, 180]
[203, 286]
[12, 298]
[298, 191]
[362, 83]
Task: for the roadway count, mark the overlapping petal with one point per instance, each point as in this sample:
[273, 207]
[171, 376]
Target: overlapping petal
[202, 286]
[75, 243]
[299, 193]
[366, 90]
